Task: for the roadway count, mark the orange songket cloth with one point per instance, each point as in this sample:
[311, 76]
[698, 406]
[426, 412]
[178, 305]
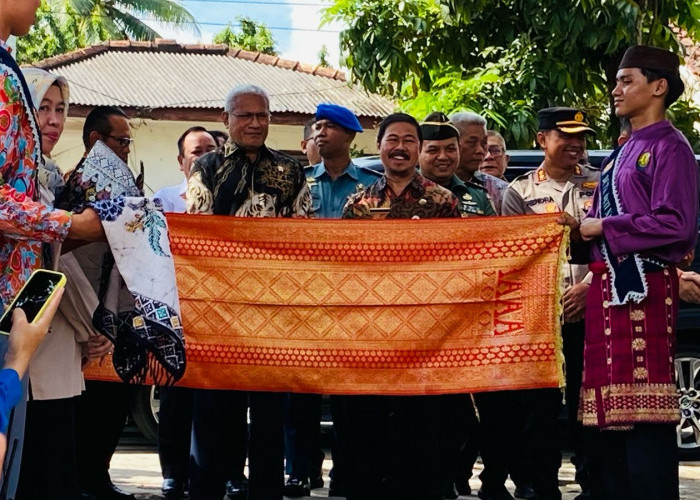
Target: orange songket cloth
[369, 306]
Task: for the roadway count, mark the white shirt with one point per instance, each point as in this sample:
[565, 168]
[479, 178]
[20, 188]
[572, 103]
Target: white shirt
[173, 197]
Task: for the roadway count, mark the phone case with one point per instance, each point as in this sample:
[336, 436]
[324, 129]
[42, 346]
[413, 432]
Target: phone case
[61, 282]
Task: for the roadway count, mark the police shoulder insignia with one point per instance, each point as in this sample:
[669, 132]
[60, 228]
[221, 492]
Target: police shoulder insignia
[643, 159]
[589, 185]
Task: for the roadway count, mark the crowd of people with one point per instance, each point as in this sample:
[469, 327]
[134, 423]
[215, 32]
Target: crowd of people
[632, 226]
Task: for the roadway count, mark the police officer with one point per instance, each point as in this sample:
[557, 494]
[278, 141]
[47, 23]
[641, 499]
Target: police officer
[560, 184]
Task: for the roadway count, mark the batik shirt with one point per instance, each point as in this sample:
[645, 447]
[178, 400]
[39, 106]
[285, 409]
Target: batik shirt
[24, 223]
[419, 200]
[228, 183]
[330, 195]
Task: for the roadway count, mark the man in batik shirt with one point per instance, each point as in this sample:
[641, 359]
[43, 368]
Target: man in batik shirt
[642, 223]
[245, 179]
[394, 437]
[402, 193]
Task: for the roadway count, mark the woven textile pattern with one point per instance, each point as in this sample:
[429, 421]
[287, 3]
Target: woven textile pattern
[369, 307]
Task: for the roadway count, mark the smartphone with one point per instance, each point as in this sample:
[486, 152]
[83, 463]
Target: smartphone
[33, 297]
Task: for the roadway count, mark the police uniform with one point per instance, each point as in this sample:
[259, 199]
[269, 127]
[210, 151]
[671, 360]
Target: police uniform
[537, 193]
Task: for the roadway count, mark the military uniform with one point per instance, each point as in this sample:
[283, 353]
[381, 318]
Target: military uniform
[474, 199]
[329, 195]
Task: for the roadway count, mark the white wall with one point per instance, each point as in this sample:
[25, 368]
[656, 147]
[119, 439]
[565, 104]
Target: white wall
[155, 143]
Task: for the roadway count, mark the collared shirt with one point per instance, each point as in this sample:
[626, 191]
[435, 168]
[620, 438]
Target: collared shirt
[656, 177]
[330, 195]
[473, 199]
[421, 199]
[537, 193]
[494, 186]
[172, 198]
[228, 183]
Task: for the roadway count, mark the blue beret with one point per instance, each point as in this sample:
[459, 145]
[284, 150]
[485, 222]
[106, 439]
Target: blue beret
[339, 115]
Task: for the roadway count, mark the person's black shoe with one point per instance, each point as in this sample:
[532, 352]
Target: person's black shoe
[316, 483]
[449, 492]
[463, 487]
[111, 492]
[500, 494]
[524, 491]
[172, 488]
[296, 487]
[84, 495]
[336, 489]
[237, 489]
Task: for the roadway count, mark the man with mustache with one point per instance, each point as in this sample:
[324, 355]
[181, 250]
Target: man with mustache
[390, 438]
[559, 184]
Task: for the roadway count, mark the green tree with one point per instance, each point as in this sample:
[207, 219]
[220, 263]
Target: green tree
[506, 58]
[64, 25]
[251, 36]
[323, 57]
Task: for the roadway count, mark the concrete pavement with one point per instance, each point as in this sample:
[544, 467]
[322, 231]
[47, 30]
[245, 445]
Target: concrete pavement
[137, 470]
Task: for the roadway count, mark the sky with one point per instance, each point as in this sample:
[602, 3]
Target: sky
[295, 25]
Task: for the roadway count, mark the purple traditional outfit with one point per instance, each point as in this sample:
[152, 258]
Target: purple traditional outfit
[633, 300]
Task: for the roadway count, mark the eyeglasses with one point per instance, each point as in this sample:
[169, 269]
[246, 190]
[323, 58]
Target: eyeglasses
[495, 151]
[248, 117]
[122, 141]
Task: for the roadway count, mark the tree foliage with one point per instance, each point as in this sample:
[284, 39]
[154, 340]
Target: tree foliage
[250, 36]
[506, 58]
[64, 25]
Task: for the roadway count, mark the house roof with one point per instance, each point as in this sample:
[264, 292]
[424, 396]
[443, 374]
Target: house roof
[165, 75]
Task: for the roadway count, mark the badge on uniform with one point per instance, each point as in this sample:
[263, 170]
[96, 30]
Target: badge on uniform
[643, 159]
[589, 185]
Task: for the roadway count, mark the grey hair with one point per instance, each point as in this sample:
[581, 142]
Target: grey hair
[464, 118]
[245, 89]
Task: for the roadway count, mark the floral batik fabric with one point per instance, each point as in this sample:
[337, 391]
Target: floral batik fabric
[144, 324]
[229, 183]
[421, 199]
[25, 224]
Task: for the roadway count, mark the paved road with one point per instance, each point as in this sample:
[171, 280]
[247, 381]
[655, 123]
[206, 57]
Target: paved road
[137, 470]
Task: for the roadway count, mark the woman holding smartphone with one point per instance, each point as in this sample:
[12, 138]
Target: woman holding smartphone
[25, 223]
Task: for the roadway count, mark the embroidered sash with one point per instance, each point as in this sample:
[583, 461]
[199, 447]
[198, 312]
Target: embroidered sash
[626, 271]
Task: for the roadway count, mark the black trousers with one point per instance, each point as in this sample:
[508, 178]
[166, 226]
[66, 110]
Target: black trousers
[541, 410]
[49, 468]
[454, 415]
[304, 434]
[573, 334]
[640, 464]
[392, 448]
[218, 447]
[99, 421]
[174, 431]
